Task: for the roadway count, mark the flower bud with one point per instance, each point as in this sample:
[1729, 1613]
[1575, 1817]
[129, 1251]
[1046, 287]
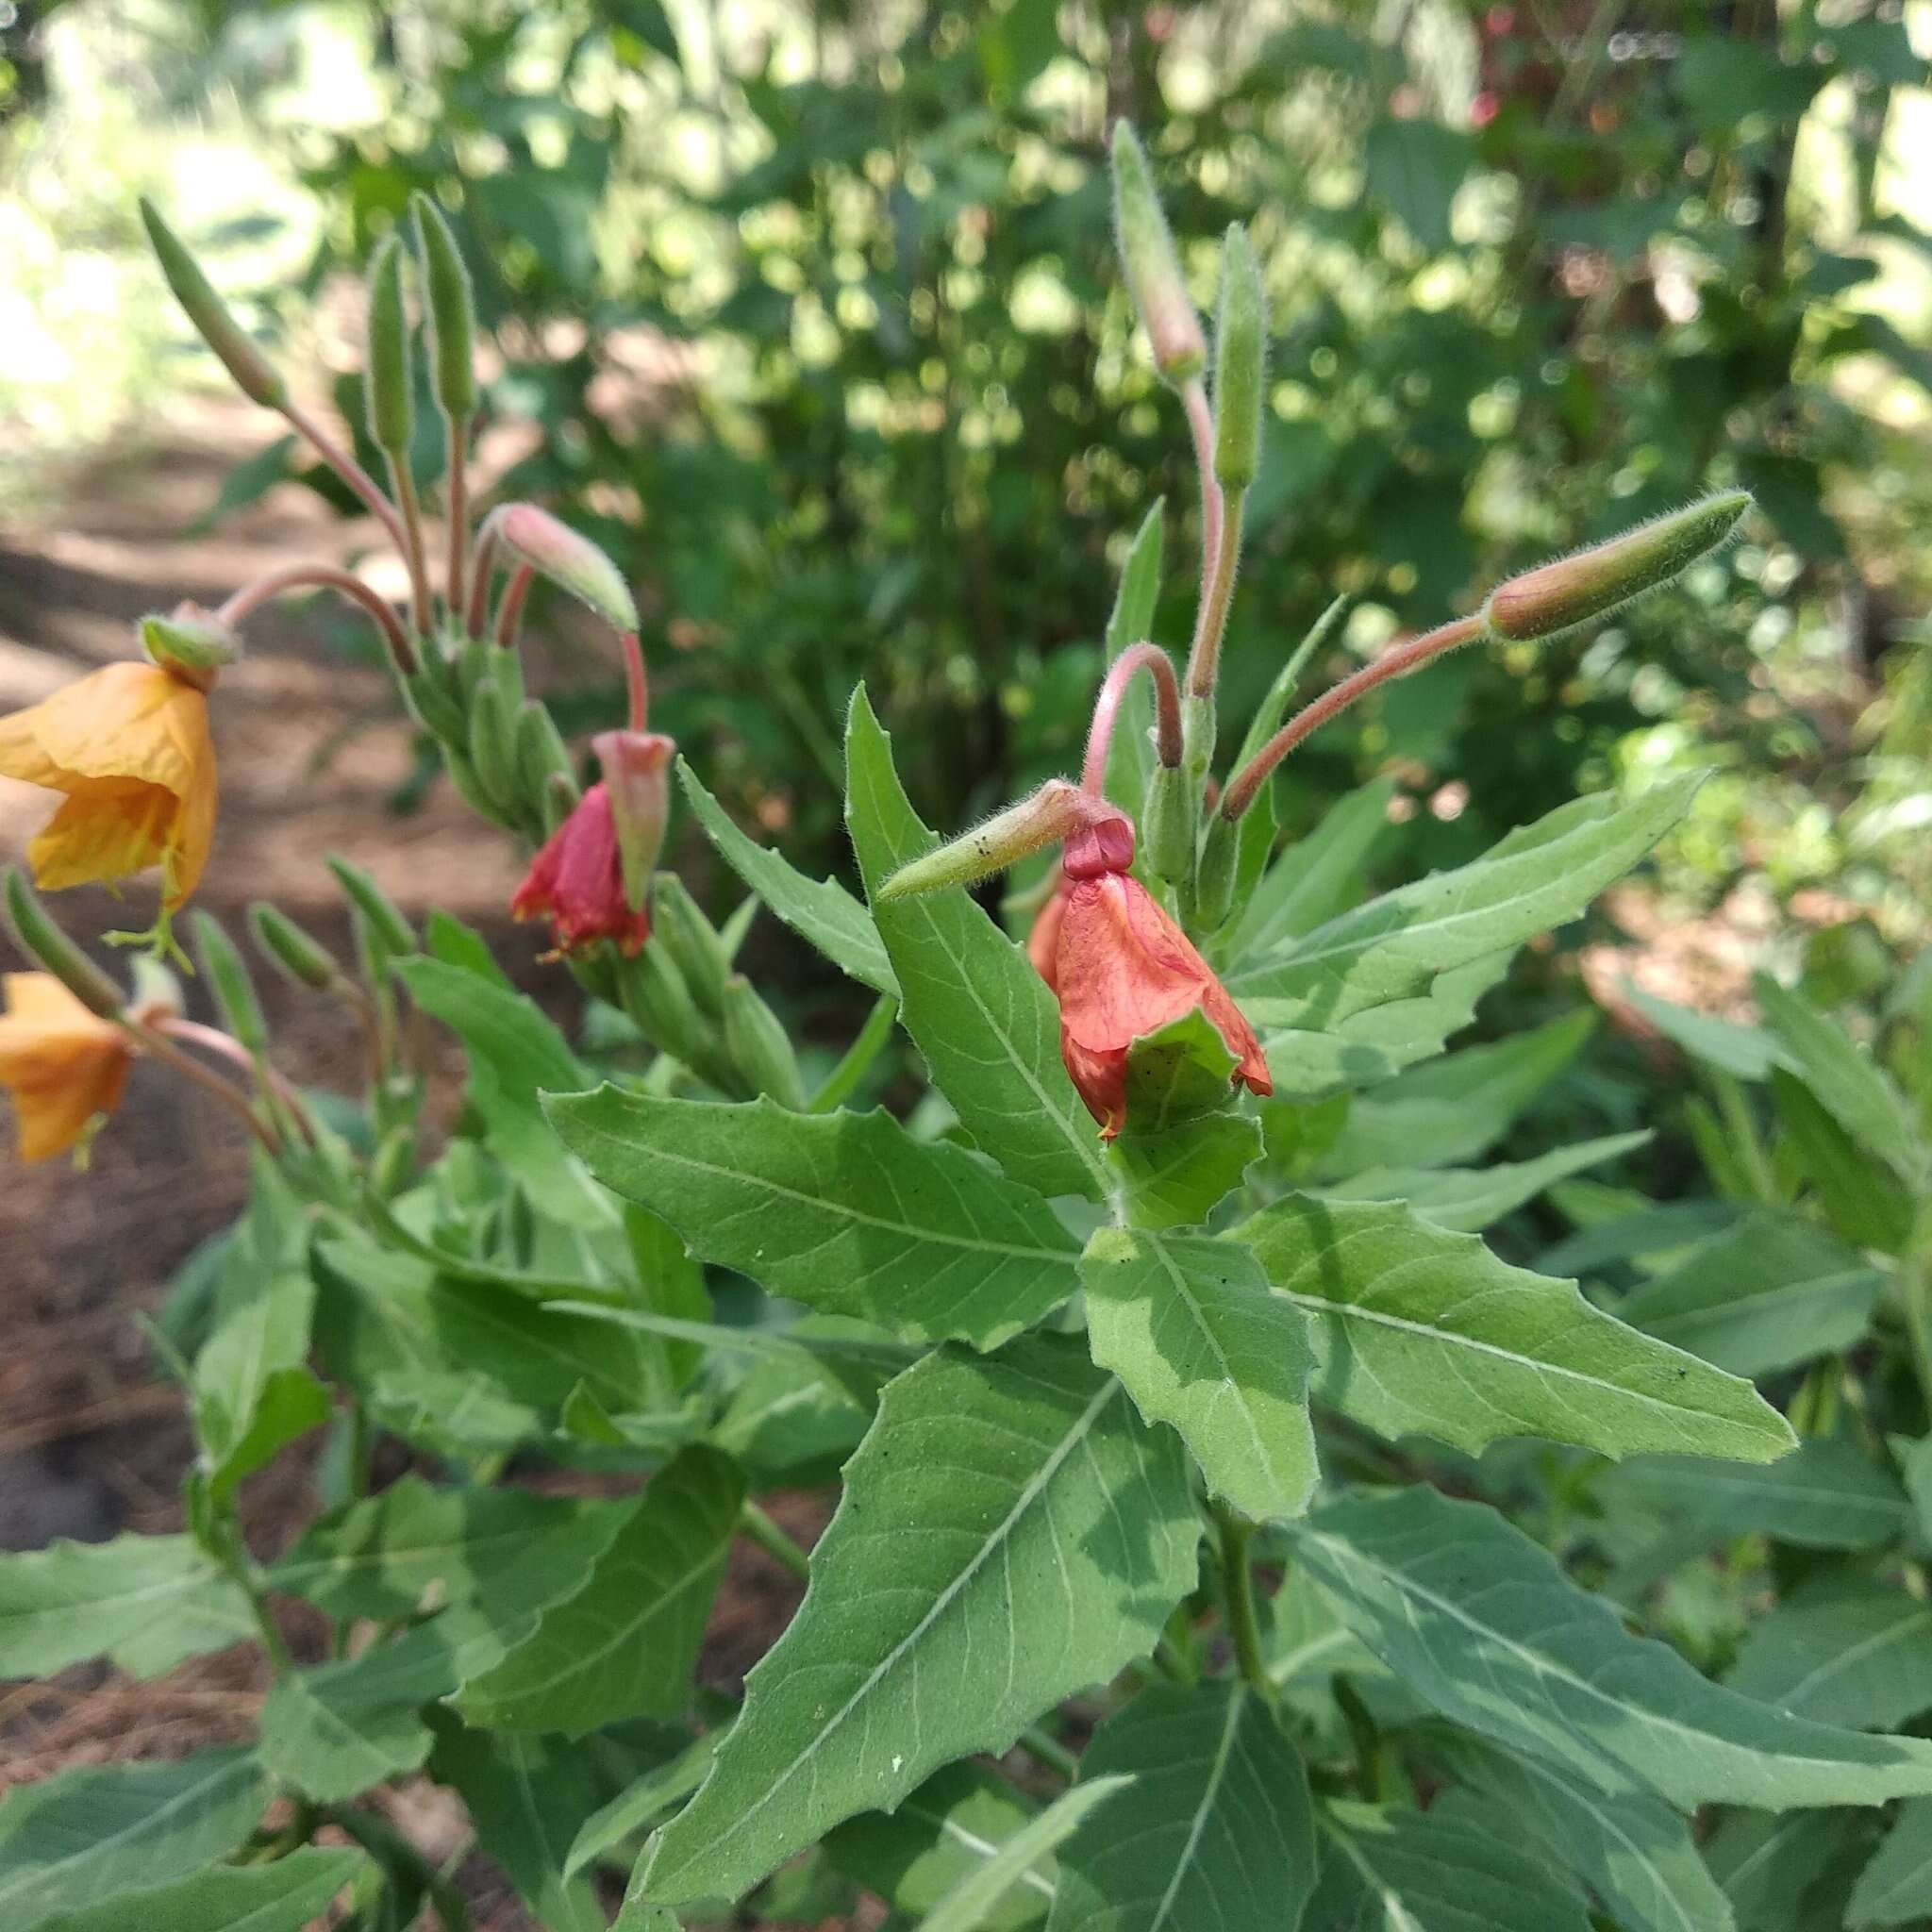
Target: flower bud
[560, 797]
[542, 754]
[386, 385]
[637, 773]
[1241, 363]
[303, 958]
[756, 1041]
[1574, 590]
[492, 748]
[452, 310]
[253, 374]
[655, 995]
[376, 906]
[394, 1164]
[42, 941]
[1053, 811]
[1154, 273]
[573, 562]
[193, 643]
[156, 991]
[1200, 729]
[1172, 822]
[677, 923]
[1215, 875]
[228, 982]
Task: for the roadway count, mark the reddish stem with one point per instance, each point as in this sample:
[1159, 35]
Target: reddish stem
[1399, 663]
[509, 612]
[637, 690]
[482, 567]
[1201, 428]
[1167, 711]
[325, 577]
[456, 505]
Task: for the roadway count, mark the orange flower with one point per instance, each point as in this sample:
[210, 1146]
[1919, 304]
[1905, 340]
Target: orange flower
[62, 1063]
[129, 745]
[1122, 968]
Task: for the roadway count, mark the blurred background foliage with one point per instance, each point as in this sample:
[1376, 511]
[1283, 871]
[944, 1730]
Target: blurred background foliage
[809, 315]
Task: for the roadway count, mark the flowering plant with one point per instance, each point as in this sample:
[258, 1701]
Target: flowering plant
[1177, 1410]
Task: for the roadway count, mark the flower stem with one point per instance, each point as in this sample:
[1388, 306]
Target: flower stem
[773, 1542]
[1217, 595]
[1213, 505]
[351, 472]
[637, 687]
[1237, 1592]
[509, 608]
[842, 1081]
[1167, 711]
[456, 493]
[158, 1046]
[325, 577]
[404, 484]
[482, 567]
[212, 1040]
[1399, 663]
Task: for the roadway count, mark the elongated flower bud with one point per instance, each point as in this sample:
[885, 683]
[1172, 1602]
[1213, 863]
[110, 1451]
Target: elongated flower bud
[1214, 879]
[556, 551]
[493, 747]
[1053, 811]
[677, 923]
[542, 754]
[1572, 591]
[1241, 363]
[386, 387]
[376, 906]
[1154, 272]
[637, 775]
[305, 960]
[228, 981]
[190, 641]
[41, 939]
[452, 310]
[253, 374]
[1173, 819]
[755, 1038]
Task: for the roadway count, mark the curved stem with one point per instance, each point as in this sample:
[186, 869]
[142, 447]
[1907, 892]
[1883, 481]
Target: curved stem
[637, 687]
[482, 567]
[352, 473]
[324, 577]
[457, 495]
[1399, 663]
[212, 1040]
[404, 484]
[509, 608]
[158, 1046]
[1167, 711]
[1217, 595]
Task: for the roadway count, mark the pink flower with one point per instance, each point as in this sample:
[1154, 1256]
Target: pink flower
[577, 882]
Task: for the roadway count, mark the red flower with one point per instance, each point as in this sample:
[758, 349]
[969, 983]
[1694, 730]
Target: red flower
[577, 882]
[1122, 968]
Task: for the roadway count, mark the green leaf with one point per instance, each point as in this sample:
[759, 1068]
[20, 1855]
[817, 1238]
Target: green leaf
[1188, 1325]
[1826, 1496]
[1215, 1828]
[383, 1557]
[1862, 1203]
[1746, 1053]
[820, 910]
[1177, 1177]
[143, 1602]
[1469, 1199]
[982, 1017]
[956, 1821]
[1635, 1852]
[1382, 986]
[1765, 1864]
[1419, 1330]
[1846, 1650]
[515, 1054]
[643, 1802]
[1764, 1294]
[976, 1899]
[1478, 1621]
[1130, 755]
[1397, 1871]
[1009, 1533]
[1858, 1092]
[1455, 1108]
[623, 1645]
[1414, 167]
[1315, 877]
[844, 1211]
[83, 1836]
[286, 1896]
[1897, 1885]
[670, 1282]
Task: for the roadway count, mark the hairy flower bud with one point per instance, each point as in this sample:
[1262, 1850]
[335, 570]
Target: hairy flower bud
[228, 981]
[573, 562]
[756, 1041]
[386, 387]
[452, 310]
[253, 374]
[637, 773]
[376, 906]
[542, 754]
[1572, 591]
[193, 643]
[1173, 819]
[1214, 879]
[301, 957]
[680, 924]
[1154, 273]
[1052, 812]
[1241, 363]
[41, 939]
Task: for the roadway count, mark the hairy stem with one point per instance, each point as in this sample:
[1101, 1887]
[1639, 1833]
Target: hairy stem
[457, 506]
[324, 577]
[509, 608]
[1213, 506]
[1217, 595]
[637, 687]
[352, 473]
[404, 484]
[1167, 711]
[158, 1046]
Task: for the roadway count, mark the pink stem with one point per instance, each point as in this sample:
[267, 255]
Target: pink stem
[354, 475]
[295, 576]
[637, 690]
[509, 612]
[212, 1040]
[482, 567]
[1398, 662]
[1201, 428]
[154, 1042]
[1167, 711]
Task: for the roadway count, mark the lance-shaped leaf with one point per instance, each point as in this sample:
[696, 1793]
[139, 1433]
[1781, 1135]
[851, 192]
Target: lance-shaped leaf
[1189, 1325]
[1009, 1533]
[1417, 1330]
[1216, 1827]
[292, 1894]
[624, 1644]
[1315, 877]
[982, 1017]
[844, 1211]
[1382, 986]
[1389, 1869]
[1896, 1886]
[1469, 1199]
[975, 1900]
[1481, 1623]
[641, 1806]
[1635, 1852]
[818, 910]
[144, 1602]
[1766, 1865]
[1846, 1650]
[81, 1837]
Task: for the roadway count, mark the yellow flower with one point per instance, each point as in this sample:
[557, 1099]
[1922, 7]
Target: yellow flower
[62, 1063]
[129, 745]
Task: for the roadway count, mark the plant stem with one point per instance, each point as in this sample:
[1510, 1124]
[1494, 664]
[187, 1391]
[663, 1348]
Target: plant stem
[509, 608]
[457, 506]
[352, 473]
[842, 1081]
[158, 1046]
[1051, 1753]
[1217, 595]
[482, 569]
[1201, 429]
[293, 576]
[1238, 1598]
[637, 687]
[773, 1542]
[403, 483]
[1107, 707]
[214, 1040]
[379, 1838]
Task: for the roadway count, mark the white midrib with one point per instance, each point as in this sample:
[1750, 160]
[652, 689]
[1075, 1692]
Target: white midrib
[1028, 1494]
[980, 1847]
[1865, 1647]
[1400, 1918]
[1199, 1821]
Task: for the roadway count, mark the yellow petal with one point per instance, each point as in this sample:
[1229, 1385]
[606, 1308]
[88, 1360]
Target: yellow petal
[104, 830]
[21, 755]
[193, 834]
[53, 1115]
[128, 720]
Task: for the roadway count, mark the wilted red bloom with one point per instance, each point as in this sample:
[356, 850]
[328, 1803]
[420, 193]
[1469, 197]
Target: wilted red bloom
[1122, 968]
[577, 882]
